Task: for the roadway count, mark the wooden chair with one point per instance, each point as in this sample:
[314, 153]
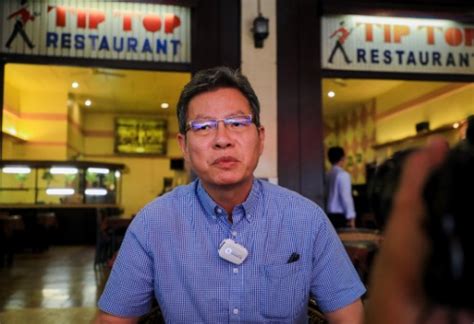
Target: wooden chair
[362, 246]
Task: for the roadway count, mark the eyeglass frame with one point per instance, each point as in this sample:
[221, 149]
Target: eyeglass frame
[227, 121]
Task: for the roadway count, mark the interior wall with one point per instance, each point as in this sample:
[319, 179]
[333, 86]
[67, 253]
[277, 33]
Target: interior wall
[143, 179]
[43, 120]
[11, 120]
[11, 109]
[8, 151]
[75, 136]
[448, 109]
[56, 126]
[259, 65]
[39, 118]
[388, 118]
[355, 131]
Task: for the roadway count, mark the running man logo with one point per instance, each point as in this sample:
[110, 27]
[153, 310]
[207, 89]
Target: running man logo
[22, 16]
[341, 33]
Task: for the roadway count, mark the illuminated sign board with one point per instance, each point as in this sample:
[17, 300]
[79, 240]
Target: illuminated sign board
[366, 43]
[96, 30]
[140, 136]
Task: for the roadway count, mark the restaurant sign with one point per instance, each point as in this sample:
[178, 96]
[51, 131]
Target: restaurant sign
[96, 30]
[366, 43]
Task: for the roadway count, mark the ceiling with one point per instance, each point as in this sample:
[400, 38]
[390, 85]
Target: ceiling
[134, 91]
[350, 92]
[110, 90]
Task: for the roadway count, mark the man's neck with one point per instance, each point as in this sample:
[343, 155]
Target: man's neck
[229, 196]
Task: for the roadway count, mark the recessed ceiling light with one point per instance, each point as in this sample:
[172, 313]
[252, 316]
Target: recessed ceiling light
[331, 94]
[75, 85]
[165, 105]
[88, 103]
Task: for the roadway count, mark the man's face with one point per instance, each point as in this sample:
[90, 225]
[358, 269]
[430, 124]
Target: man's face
[224, 156]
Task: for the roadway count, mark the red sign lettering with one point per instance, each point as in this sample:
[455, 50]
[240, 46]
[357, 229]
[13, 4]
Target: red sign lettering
[81, 18]
[152, 23]
[399, 31]
[469, 36]
[95, 18]
[91, 19]
[171, 22]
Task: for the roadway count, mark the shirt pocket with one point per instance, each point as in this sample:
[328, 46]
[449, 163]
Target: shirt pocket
[283, 291]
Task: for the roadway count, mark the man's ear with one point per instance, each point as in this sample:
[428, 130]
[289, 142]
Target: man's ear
[261, 136]
[182, 145]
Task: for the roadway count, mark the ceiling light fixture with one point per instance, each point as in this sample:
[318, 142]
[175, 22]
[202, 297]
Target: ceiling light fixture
[96, 192]
[165, 105]
[331, 94]
[455, 125]
[16, 169]
[98, 170]
[75, 85]
[88, 103]
[63, 170]
[59, 191]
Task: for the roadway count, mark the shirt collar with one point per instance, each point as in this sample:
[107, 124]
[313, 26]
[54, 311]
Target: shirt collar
[249, 206]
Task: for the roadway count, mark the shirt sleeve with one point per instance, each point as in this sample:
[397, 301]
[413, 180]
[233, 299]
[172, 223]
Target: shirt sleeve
[335, 282]
[345, 192]
[129, 289]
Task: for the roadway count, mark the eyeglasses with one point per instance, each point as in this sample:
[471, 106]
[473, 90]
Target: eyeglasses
[206, 126]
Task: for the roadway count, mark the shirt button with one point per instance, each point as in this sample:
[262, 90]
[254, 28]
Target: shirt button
[234, 233]
[235, 311]
[236, 270]
[218, 210]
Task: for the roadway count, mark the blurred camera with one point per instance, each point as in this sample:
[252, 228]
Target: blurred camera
[449, 270]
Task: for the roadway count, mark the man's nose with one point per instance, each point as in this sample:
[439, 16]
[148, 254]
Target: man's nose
[223, 137]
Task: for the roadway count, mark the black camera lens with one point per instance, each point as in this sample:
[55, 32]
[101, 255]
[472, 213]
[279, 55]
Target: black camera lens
[449, 195]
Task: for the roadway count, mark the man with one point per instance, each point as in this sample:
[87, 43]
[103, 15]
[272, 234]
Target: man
[339, 204]
[228, 247]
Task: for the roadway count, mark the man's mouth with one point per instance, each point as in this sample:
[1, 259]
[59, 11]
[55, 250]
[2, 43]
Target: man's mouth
[225, 160]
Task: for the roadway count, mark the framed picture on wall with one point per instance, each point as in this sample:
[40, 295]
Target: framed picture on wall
[140, 135]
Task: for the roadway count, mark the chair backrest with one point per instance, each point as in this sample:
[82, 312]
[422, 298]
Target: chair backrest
[360, 235]
[361, 245]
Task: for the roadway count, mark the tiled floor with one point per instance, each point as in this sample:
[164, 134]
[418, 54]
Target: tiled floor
[56, 286]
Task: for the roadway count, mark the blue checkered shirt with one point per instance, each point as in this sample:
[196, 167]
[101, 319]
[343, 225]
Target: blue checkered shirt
[170, 251]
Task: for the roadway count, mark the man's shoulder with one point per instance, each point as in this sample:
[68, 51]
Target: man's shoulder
[172, 201]
[293, 208]
[285, 197]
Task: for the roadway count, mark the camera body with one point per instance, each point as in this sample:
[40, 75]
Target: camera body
[449, 223]
[449, 197]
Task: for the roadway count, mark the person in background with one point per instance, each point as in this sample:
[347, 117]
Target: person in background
[339, 203]
[229, 247]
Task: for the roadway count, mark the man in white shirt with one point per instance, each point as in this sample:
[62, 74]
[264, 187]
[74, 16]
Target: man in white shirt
[339, 204]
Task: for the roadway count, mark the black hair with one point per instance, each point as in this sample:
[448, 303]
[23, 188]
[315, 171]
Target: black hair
[335, 154]
[212, 79]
